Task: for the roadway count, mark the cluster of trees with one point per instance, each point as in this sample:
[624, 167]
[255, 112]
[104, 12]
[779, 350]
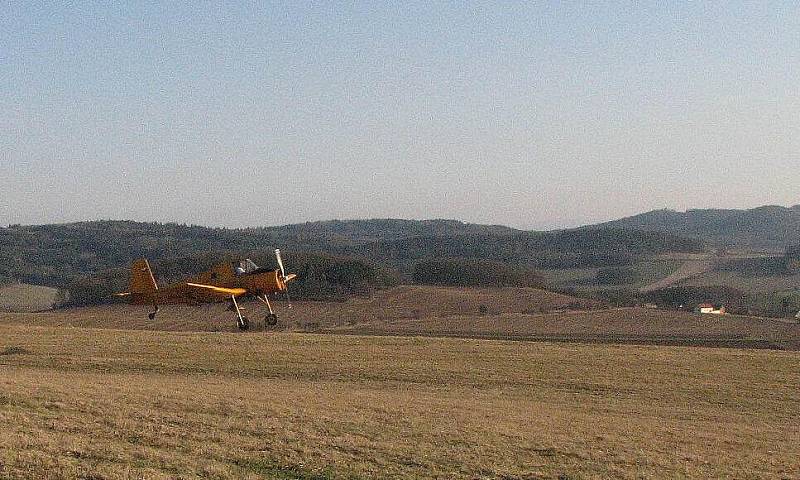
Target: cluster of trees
[567, 249]
[617, 276]
[751, 267]
[793, 258]
[466, 272]
[690, 296]
[779, 304]
[328, 277]
[320, 276]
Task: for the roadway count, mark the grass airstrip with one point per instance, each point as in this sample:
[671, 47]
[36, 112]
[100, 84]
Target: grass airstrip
[105, 403]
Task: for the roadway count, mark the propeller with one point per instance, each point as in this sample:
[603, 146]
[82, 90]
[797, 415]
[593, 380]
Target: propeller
[284, 277]
[280, 262]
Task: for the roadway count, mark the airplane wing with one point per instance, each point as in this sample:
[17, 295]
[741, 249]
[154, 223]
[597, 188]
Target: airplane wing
[218, 290]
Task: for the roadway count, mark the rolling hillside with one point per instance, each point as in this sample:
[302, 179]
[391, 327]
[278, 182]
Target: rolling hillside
[55, 255]
[770, 228]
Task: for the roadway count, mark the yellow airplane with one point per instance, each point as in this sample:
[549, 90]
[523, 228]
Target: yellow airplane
[224, 282]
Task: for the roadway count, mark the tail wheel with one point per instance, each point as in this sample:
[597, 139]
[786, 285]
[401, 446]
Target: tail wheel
[271, 319]
[245, 324]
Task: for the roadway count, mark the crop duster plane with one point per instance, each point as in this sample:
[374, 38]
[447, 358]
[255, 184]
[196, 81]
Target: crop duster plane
[223, 282]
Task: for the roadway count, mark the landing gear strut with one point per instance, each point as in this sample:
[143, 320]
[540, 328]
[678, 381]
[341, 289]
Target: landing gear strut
[241, 320]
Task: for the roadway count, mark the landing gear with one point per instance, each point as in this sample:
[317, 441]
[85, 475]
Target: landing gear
[272, 318]
[241, 320]
[152, 315]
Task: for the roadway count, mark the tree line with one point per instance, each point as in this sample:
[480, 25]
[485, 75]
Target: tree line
[334, 259]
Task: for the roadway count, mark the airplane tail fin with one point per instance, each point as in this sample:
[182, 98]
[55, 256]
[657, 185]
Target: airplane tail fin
[142, 280]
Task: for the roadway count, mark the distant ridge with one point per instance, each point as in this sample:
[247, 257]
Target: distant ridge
[387, 229]
[769, 227]
[56, 255]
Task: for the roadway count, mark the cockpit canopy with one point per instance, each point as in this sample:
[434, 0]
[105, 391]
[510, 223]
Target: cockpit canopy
[246, 266]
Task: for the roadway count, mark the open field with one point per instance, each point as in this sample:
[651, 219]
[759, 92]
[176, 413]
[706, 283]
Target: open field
[102, 403]
[747, 283]
[21, 297]
[689, 269]
[404, 302]
[648, 271]
[623, 325]
[511, 313]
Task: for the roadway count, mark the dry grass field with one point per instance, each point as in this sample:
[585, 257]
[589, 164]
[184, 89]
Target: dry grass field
[622, 325]
[21, 297]
[404, 302]
[104, 403]
[510, 314]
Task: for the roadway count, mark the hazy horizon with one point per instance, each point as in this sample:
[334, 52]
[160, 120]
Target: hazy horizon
[531, 116]
[545, 228]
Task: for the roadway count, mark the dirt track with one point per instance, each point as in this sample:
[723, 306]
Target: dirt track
[689, 269]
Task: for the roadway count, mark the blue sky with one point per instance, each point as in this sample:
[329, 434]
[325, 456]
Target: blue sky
[533, 115]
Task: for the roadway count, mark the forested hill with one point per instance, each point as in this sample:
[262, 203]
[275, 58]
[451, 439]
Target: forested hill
[58, 254]
[770, 227]
[349, 231]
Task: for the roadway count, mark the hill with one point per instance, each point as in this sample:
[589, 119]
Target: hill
[57, 255]
[359, 231]
[770, 228]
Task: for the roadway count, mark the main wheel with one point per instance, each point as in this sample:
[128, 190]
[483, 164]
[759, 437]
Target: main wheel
[245, 324]
[151, 315]
[271, 319]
